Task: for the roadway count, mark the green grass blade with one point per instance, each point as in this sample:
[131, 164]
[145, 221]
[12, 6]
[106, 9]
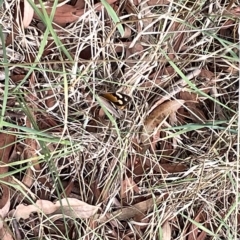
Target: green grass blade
[6, 83]
[114, 16]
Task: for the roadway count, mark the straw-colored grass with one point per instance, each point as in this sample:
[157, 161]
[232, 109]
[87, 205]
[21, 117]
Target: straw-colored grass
[186, 174]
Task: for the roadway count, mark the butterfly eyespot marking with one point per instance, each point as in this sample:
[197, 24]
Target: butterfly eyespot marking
[119, 95]
[120, 102]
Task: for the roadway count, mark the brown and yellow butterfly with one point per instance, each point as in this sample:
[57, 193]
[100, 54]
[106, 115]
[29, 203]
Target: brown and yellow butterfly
[115, 102]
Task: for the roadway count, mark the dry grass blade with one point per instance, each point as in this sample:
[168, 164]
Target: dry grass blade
[176, 137]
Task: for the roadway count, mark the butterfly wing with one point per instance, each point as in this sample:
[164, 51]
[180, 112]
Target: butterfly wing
[110, 107]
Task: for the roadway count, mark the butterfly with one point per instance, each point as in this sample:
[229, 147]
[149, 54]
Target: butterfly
[115, 102]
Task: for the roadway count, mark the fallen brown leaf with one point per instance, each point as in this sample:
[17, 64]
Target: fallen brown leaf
[24, 211]
[206, 74]
[193, 107]
[69, 14]
[64, 14]
[196, 233]
[75, 208]
[4, 204]
[158, 2]
[167, 167]
[156, 117]
[71, 207]
[233, 12]
[51, 99]
[32, 146]
[127, 32]
[6, 146]
[128, 185]
[5, 234]
[79, 4]
[7, 142]
[17, 78]
[141, 218]
[166, 231]
[27, 14]
[12, 35]
[130, 212]
[169, 70]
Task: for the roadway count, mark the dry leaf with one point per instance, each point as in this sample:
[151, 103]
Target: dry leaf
[50, 99]
[196, 233]
[127, 32]
[143, 219]
[64, 14]
[69, 14]
[193, 107]
[4, 203]
[206, 74]
[5, 234]
[75, 208]
[167, 167]
[32, 145]
[6, 146]
[160, 112]
[235, 12]
[30, 152]
[17, 78]
[27, 14]
[157, 2]
[71, 207]
[169, 71]
[80, 4]
[156, 117]
[130, 212]
[44, 206]
[166, 231]
[128, 185]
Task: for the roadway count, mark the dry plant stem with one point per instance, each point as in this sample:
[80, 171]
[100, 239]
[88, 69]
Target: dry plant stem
[24, 188]
[190, 171]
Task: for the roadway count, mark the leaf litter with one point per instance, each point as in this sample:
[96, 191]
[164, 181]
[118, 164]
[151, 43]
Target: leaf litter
[167, 164]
